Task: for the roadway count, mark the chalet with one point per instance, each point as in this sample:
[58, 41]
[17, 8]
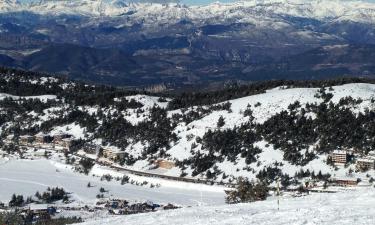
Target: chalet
[365, 164]
[113, 153]
[161, 163]
[339, 156]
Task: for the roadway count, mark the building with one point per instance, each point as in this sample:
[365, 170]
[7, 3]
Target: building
[364, 164]
[43, 139]
[161, 163]
[339, 156]
[26, 139]
[60, 136]
[113, 153]
[65, 143]
[346, 181]
[38, 214]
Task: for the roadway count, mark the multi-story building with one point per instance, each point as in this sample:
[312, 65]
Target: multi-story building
[43, 139]
[113, 153]
[365, 164]
[339, 156]
[26, 140]
[60, 136]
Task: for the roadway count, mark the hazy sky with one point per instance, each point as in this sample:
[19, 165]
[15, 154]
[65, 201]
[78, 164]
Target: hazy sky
[194, 2]
[209, 1]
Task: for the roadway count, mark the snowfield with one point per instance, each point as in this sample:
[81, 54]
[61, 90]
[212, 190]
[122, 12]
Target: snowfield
[345, 208]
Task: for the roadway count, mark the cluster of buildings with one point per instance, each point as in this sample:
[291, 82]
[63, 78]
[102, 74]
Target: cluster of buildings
[60, 141]
[123, 207]
[362, 163]
[63, 142]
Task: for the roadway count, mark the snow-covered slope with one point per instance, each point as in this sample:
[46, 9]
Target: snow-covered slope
[26, 177]
[264, 106]
[186, 145]
[243, 11]
[346, 208]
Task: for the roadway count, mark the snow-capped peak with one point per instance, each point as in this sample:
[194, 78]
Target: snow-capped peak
[8, 5]
[242, 10]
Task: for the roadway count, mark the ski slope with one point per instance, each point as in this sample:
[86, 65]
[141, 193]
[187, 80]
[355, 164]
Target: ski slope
[345, 208]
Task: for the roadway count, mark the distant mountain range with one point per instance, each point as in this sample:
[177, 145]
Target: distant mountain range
[142, 44]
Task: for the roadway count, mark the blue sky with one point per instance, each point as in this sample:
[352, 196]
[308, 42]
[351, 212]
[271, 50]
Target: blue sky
[194, 2]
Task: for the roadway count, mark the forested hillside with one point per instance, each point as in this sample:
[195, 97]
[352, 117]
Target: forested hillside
[267, 130]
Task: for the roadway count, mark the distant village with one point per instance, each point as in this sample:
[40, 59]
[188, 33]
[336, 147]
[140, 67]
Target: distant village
[62, 143]
[33, 213]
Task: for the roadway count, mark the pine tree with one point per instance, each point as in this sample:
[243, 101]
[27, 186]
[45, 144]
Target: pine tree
[220, 122]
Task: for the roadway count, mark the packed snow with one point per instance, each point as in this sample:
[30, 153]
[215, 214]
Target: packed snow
[344, 208]
[26, 177]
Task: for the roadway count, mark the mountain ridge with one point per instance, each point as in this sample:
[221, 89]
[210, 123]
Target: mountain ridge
[183, 45]
[322, 9]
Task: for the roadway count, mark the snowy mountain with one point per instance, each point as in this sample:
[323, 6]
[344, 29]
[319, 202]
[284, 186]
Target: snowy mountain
[241, 11]
[204, 45]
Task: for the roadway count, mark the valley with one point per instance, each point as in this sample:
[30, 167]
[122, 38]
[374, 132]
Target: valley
[138, 44]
